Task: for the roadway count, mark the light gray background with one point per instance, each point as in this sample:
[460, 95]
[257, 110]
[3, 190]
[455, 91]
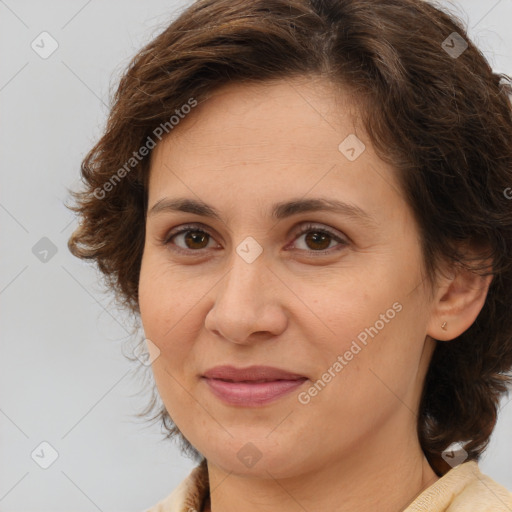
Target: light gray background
[63, 378]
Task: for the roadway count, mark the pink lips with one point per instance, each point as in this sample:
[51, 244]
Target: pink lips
[252, 386]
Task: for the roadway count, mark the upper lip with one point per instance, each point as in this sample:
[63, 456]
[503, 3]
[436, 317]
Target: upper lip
[251, 373]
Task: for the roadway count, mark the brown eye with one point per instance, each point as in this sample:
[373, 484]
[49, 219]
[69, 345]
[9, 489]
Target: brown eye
[318, 239]
[195, 239]
[190, 239]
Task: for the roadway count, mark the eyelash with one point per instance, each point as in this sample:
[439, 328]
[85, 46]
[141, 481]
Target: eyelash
[305, 229]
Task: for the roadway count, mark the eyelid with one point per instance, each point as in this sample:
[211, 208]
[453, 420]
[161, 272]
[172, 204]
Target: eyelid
[195, 226]
[313, 226]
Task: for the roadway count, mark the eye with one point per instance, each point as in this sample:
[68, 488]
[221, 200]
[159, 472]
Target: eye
[191, 238]
[320, 238]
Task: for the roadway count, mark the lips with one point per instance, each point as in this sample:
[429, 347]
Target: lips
[253, 386]
[250, 374]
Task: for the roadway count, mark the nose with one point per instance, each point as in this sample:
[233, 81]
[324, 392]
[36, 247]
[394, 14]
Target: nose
[248, 303]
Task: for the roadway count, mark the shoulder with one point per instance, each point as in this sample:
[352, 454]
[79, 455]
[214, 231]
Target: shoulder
[463, 489]
[188, 495]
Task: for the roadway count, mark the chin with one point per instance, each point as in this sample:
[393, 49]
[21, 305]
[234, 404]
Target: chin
[261, 456]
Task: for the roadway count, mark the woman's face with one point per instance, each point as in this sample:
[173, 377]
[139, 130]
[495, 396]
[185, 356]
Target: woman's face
[342, 307]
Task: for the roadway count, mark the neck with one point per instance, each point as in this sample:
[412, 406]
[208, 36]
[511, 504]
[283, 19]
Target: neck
[386, 479]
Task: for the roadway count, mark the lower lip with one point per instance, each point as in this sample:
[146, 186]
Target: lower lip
[252, 394]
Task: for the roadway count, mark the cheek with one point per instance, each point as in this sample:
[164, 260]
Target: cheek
[151, 302]
[170, 309]
[347, 307]
[164, 304]
[376, 325]
[163, 297]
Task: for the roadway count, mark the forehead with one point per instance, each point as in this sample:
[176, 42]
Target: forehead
[291, 112]
[263, 141]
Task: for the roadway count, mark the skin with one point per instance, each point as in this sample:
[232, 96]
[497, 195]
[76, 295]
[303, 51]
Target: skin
[354, 445]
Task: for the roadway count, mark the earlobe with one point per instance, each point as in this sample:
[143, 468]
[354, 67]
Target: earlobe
[458, 301]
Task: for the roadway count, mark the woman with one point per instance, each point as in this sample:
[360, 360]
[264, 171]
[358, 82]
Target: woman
[305, 203]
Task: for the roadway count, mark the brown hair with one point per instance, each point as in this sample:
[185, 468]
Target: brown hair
[443, 120]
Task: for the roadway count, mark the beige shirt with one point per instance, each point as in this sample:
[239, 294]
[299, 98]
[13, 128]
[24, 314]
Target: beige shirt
[462, 489]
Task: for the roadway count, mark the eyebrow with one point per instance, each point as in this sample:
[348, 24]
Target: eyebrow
[279, 210]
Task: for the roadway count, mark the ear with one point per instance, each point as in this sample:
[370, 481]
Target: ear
[459, 298]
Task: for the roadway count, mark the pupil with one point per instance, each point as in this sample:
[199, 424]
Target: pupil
[195, 236]
[320, 236]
